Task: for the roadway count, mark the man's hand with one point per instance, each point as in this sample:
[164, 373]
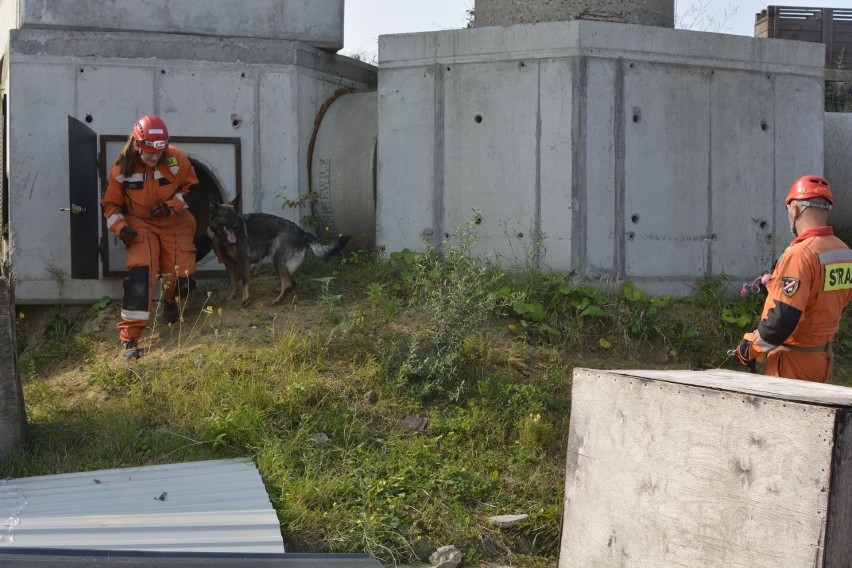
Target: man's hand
[160, 210]
[127, 235]
[744, 353]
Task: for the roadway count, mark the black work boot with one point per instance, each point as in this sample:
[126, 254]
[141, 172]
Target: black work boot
[131, 350]
[171, 312]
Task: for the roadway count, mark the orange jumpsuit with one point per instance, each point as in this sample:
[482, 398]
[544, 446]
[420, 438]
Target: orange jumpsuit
[164, 244]
[811, 285]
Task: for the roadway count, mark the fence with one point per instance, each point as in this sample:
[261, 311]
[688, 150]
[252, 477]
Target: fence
[833, 27]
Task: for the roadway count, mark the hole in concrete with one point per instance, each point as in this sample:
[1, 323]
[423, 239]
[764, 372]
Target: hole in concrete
[82, 70]
[448, 68]
[243, 75]
[634, 218]
[520, 235]
[631, 235]
[522, 64]
[763, 224]
[236, 121]
[162, 71]
[477, 118]
[631, 66]
[637, 114]
[764, 125]
[89, 118]
[477, 220]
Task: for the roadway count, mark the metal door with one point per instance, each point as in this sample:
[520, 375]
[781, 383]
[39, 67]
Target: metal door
[83, 193]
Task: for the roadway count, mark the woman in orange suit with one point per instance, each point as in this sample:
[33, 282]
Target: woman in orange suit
[146, 205]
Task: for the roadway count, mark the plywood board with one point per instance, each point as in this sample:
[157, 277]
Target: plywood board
[681, 469]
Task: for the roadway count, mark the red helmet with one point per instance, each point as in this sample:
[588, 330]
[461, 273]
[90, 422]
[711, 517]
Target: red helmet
[810, 187]
[150, 134]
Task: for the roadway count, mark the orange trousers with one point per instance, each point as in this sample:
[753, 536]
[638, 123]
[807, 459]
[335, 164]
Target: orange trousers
[806, 366]
[159, 248]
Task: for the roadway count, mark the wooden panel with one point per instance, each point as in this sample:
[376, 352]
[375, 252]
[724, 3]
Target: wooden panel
[747, 383]
[839, 538]
[674, 474]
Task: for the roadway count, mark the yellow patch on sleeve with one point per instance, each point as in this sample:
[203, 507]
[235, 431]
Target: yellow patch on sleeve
[838, 276]
[172, 161]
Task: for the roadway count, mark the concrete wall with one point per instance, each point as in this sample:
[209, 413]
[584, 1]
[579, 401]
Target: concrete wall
[838, 166]
[616, 151]
[510, 12]
[316, 22]
[264, 92]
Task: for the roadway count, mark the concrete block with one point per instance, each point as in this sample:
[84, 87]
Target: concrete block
[247, 106]
[316, 22]
[508, 12]
[707, 468]
[614, 151]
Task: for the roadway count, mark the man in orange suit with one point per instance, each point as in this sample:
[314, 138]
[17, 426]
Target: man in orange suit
[810, 287]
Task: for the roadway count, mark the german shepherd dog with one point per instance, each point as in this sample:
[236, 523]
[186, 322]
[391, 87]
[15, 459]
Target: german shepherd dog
[241, 241]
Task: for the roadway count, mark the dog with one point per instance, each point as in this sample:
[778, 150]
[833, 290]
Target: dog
[241, 241]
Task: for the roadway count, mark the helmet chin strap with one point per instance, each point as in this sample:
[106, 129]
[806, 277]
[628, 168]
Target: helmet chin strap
[792, 220]
[802, 205]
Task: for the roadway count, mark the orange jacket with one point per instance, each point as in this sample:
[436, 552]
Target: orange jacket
[810, 287]
[168, 182]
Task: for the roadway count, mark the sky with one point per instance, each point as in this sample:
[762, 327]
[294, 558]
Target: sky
[366, 20]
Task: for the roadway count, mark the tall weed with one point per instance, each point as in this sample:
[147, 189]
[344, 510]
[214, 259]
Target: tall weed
[452, 288]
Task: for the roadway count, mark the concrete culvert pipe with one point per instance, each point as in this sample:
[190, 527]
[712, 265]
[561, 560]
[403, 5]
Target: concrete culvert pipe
[343, 169]
[838, 166]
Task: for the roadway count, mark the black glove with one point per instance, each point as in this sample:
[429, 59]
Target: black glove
[127, 235]
[160, 210]
[191, 196]
[744, 353]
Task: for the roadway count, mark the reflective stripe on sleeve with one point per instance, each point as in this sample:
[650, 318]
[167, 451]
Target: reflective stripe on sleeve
[834, 256]
[135, 315]
[111, 220]
[138, 176]
[762, 344]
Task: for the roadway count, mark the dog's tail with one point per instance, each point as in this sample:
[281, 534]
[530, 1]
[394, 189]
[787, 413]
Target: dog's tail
[325, 251]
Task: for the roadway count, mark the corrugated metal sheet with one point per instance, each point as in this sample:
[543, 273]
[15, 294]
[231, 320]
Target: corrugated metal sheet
[208, 506]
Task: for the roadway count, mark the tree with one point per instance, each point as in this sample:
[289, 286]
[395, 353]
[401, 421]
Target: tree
[13, 418]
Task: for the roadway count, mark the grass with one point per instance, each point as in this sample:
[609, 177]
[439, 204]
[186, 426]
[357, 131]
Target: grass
[484, 354]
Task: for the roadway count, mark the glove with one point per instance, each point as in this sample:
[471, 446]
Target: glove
[160, 210]
[744, 353]
[127, 235]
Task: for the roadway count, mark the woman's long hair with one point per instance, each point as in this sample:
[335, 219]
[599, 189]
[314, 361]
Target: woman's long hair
[126, 157]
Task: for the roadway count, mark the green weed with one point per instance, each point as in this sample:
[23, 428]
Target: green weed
[315, 392]
[451, 287]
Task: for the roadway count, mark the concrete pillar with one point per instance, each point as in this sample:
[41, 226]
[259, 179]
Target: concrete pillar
[511, 12]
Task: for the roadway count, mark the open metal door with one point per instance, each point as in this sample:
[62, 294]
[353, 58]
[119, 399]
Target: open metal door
[83, 193]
